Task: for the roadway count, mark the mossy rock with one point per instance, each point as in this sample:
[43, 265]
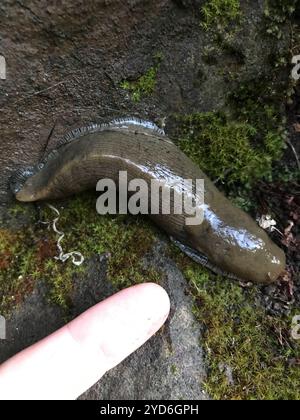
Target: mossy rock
[250, 354]
[229, 150]
[28, 254]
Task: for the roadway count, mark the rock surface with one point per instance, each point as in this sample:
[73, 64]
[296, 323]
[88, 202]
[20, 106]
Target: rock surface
[65, 64]
[170, 366]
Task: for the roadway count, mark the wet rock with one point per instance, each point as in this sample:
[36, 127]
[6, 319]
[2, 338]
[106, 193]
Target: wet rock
[67, 67]
[170, 366]
[34, 320]
[37, 317]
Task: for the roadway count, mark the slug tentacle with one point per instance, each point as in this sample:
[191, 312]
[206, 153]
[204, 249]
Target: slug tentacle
[227, 241]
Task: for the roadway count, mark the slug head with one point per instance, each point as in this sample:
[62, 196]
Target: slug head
[26, 184]
[262, 264]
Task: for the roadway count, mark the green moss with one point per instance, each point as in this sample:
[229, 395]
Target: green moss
[18, 209]
[258, 102]
[27, 257]
[277, 13]
[229, 149]
[220, 13]
[239, 146]
[17, 271]
[126, 239]
[287, 175]
[243, 144]
[243, 198]
[239, 334]
[174, 370]
[146, 84]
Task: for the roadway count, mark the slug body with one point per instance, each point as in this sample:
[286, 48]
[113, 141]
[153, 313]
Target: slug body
[227, 241]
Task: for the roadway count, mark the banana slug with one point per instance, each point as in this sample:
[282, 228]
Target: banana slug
[228, 241]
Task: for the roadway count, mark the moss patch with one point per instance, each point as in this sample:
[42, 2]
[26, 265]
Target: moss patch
[277, 13]
[144, 85]
[240, 337]
[18, 273]
[250, 354]
[241, 144]
[229, 149]
[220, 13]
[28, 255]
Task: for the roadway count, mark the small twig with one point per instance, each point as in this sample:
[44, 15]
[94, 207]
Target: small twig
[48, 139]
[294, 152]
[43, 90]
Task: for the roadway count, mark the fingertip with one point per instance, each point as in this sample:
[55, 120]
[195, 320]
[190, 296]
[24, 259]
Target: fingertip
[158, 296]
[72, 359]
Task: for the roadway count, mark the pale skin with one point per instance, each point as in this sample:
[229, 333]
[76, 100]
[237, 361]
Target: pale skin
[69, 361]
